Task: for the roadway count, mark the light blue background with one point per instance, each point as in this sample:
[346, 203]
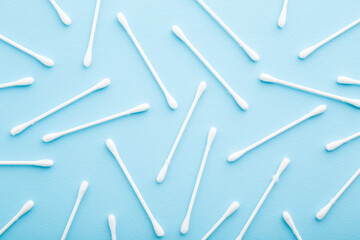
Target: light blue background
[144, 140]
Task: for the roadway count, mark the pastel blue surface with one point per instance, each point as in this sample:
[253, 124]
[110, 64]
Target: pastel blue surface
[144, 140]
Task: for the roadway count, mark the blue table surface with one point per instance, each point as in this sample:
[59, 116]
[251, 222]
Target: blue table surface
[144, 140]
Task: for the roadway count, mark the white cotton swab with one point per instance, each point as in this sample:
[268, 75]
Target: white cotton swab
[269, 79]
[186, 222]
[157, 228]
[21, 82]
[44, 60]
[306, 52]
[179, 33]
[334, 145]
[38, 163]
[285, 162]
[323, 212]
[161, 175]
[233, 207]
[170, 100]
[318, 110]
[289, 221]
[27, 207]
[83, 187]
[112, 226]
[282, 17]
[88, 54]
[63, 16]
[347, 80]
[250, 52]
[18, 129]
[52, 136]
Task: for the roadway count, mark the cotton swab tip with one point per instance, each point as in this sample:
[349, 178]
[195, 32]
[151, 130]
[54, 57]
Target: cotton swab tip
[233, 157]
[345, 80]
[122, 19]
[161, 176]
[283, 165]
[185, 225]
[267, 78]
[46, 61]
[320, 109]
[44, 163]
[172, 102]
[111, 146]
[212, 134]
[306, 52]
[322, 213]
[83, 187]
[27, 207]
[18, 129]
[158, 229]
[334, 145]
[354, 102]
[24, 81]
[112, 221]
[88, 58]
[178, 32]
[51, 137]
[286, 216]
[233, 207]
[241, 102]
[142, 107]
[103, 83]
[251, 53]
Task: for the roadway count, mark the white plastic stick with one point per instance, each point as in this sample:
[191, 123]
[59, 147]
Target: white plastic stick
[52, 136]
[250, 52]
[289, 221]
[38, 163]
[27, 207]
[233, 207]
[63, 16]
[347, 80]
[179, 33]
[112, 226]
[334, 145]
[306, 52]
[170, 100]
[282, 17]
[186, 222]
[21, 82]
[285, 162]
[44, 60]
[18, 129]
[267, 78]
[157, 228]
[161, 175]
[88, 54]
[318, 110]
[323, 212]
[83, 187]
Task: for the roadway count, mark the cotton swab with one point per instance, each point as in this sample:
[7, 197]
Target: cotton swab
[322, 213]
[21, 82]
[161, 175]
[347, 80]
[112, 226]
[270, 79]
[289, 221]
[38, 163]
[318, 110]
[88, 54]
[250, 52]
[171, 101]
[233, 207]
[44, 60]
[282, 17]
[285, 162]
[306, 52]
[334, 145]
[52, 136]
[83, 187]
[63, 16]
[157, 228]
[179, 33]
[186, 222]
[18, 129]
[27, 207]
